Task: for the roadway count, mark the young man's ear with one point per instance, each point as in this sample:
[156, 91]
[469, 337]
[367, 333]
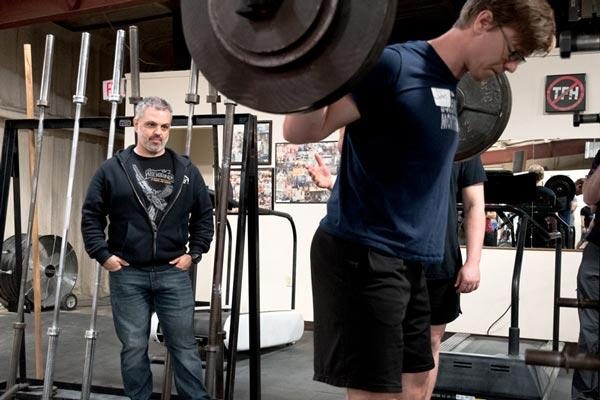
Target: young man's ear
[484, 21]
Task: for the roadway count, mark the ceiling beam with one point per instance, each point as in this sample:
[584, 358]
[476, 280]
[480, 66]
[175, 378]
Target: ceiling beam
[15, 13]
[535, 151]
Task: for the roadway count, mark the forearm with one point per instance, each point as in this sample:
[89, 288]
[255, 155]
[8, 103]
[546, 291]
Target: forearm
[93, 220]
[474, 222]
[92, 231]
[474, 232]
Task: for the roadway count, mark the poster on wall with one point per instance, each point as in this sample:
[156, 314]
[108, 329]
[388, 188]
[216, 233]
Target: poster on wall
[565, 93]
[292, 182]
[263, 143]
[265, 187]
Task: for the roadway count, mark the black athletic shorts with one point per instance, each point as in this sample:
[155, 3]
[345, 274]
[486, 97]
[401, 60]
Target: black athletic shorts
[444, 301]
[371, 314]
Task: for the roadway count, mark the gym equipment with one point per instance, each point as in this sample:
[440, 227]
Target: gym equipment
[564, 189]
[192, 99]
[9, 171]
[264, 55]
[579, 119]
[134, 65]
[42, 103]
[479, 365]
[281, 326]
[115, 99]
[483, 112]
[79, 100]
[279, 49]
[214, 348]
[49, 260]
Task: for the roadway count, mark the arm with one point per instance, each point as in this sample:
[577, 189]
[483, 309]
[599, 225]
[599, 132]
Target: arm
[582, 223]
[591, 225]
[317, 125]
[93, 223]
[474, 222]
[93, 220]
[201, 226]
[591, 188]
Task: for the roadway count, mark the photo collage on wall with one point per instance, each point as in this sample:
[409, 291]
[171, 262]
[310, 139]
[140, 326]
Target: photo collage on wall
[265, 186]
[265, 175]
[289, 181]
[293, 184]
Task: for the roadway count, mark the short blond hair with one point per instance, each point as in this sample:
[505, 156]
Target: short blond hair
[538, 170]
[532, 20]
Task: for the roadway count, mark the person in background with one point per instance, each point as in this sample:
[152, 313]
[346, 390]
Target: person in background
[156, 202]
[585, 382]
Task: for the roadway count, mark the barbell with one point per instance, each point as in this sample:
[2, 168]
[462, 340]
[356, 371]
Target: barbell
[299, 55]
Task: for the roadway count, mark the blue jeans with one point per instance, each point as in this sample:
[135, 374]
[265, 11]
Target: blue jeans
[135, 295]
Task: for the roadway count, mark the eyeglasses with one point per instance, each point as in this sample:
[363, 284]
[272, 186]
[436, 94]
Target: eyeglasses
[513, 55]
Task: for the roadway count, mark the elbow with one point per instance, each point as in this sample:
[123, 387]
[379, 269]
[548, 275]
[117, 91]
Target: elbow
[290, 132]
[590, 198]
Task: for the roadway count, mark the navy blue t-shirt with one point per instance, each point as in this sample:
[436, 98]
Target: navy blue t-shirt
[397, 157]
[464, 174]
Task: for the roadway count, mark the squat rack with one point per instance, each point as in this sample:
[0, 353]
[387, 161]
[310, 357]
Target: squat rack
[248, 212]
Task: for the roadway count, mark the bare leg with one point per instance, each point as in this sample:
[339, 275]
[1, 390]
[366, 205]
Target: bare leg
[437, 333]
[355, 394]
[414, 386]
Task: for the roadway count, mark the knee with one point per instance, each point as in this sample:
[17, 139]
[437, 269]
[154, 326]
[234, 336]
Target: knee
[135, 344]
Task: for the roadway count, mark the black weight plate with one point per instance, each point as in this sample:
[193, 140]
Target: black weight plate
[562, 186]
[483, 112]
[311, 70]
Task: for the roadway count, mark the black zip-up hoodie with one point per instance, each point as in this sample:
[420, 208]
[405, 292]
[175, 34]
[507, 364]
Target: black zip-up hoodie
[131, 236]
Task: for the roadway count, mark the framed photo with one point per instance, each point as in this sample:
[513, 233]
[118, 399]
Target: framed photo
[292, 182]
[265, 186]
[264, 131]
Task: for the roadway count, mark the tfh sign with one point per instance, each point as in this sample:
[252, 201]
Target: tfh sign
[565, 93]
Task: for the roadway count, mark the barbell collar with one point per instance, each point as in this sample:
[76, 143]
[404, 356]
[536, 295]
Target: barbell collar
[46, 71]
[134, 65]
[192, 98]
[84, 56]
[115, 92]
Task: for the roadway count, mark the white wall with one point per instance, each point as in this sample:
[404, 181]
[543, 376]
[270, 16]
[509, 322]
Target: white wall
[482, 307]
[528, 119]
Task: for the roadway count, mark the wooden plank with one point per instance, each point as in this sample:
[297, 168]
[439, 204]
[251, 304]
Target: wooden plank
[35, 248]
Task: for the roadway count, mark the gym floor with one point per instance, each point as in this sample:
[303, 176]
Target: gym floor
[286, 372]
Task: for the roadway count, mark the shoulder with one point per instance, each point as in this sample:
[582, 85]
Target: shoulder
[179, 159]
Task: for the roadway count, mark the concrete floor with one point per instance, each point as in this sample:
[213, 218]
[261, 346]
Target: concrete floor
[286, 372]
